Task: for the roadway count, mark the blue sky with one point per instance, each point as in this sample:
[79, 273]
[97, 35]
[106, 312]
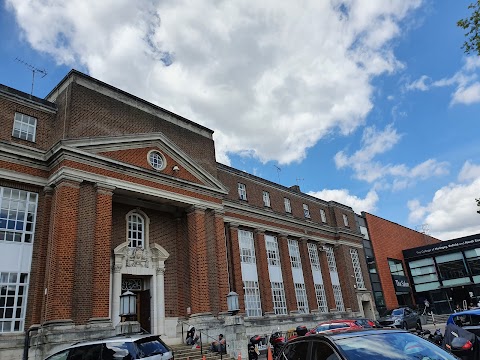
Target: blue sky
[369, 103]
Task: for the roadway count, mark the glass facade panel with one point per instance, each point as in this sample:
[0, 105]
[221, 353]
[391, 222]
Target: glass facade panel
[253, 306]
[451, 266]
[247, 249]
[427, 286]
[420, 263]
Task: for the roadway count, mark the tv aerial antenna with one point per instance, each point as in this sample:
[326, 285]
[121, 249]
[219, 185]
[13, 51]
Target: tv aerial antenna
[34, 71]
[278, 172]
[299, 179]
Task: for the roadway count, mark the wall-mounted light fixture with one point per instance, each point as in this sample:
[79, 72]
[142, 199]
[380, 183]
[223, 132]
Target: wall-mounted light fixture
[176, 168]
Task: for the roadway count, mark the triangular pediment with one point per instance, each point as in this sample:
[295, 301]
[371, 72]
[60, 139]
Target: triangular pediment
[135, 151]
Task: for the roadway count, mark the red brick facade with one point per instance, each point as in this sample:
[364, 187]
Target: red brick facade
[388, 240]
[96, 191]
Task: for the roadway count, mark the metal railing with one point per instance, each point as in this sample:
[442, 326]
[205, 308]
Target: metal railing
[207, 336]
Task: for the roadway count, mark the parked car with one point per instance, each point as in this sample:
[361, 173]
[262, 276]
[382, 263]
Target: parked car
[468, 320]
[462, 343]
[404, 318]
[149, 347]
[334, 325]
[358, 344]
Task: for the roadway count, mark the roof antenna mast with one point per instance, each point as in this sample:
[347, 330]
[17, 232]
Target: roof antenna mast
[278, 172]
[34, 70]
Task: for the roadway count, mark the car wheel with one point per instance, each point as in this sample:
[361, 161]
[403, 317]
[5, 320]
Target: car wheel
[404, 325]
[419, 325]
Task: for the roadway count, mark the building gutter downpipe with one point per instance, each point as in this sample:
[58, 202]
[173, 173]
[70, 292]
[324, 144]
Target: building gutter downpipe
[26, 343]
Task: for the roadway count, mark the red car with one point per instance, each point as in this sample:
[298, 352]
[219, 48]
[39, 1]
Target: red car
[336, 325]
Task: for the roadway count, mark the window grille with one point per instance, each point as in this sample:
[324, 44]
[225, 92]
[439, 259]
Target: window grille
[266, 199]
[321, 298]
[301, 295]
[313, 255]
[337, 294]
[288, 207]
[332, 266]
[13, 299]
[242, 191]
[253, 305]
[273, 255]
[357, 270]
[247, 249]
[24, 127]
[323, 215]
[279, 300]
[306, 211]
[136, 231]
[18, 210]
[294, 254]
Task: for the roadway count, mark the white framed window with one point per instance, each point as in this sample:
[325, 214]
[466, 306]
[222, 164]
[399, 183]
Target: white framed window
[156, 160]
[321, 298]
[323, 215]
[357, 270]
[337, 294]
[247, 248]
[13, 299]
[136, 230]
[18, 210]
[242, 191]
[306, 211]
[301, 295]
[273, 255]
[288, 206]
[266, 199]
[345, 220]
[24, 127]
[313, 255]
[253, 305]
[332, 265]
[279, 300]
[294, 252]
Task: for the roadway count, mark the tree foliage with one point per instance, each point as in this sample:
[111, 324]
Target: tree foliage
[472, 25]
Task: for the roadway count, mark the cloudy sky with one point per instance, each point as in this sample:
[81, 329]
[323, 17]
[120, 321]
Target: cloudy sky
[371, 103]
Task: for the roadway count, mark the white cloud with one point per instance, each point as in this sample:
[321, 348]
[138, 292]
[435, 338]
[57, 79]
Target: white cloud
[419, 84]
[368, 204]
[467, 95]
[375, 143]
[271, 78]
[452, 211]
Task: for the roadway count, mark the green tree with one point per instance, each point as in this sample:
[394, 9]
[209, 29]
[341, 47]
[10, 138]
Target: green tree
[472, 25]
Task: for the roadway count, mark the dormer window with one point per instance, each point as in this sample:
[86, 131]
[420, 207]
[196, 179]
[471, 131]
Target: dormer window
[345, 220]
[242, 191]
[266, 199]
[306, 211]
[288, 207]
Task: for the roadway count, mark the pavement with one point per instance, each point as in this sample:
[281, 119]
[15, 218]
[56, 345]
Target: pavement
[433, 327]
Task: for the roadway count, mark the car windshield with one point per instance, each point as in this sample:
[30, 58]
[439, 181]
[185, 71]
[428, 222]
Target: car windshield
[391, 346]
[395, 312]
[150, 346]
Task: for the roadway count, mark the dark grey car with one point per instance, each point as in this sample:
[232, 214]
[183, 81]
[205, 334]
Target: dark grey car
[403, 317]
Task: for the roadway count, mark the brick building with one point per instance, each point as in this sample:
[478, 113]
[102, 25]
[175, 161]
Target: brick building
[102, 192]
[384, 242]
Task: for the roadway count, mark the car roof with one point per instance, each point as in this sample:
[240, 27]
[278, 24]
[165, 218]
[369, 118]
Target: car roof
[337, 321]
[465, 312]
[348, 333]
[118, 338]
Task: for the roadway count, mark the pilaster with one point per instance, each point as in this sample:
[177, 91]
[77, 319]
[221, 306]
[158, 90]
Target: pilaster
[327, 280]
[307, 274]
[262, 271]
[287, 273]
[222, 261]
[237, 266]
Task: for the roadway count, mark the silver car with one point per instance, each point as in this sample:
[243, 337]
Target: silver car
[403, 317]
[118, 347]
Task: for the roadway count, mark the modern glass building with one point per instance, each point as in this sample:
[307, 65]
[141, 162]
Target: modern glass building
[447, 274]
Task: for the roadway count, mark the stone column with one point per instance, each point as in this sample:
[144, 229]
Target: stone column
[327, 280]
[61, 256]
[287, 273]
[101, 253]
[262, 270]
[160, 278]
[116, 292]
[307, 274]
[237, 267]
[197, 239]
